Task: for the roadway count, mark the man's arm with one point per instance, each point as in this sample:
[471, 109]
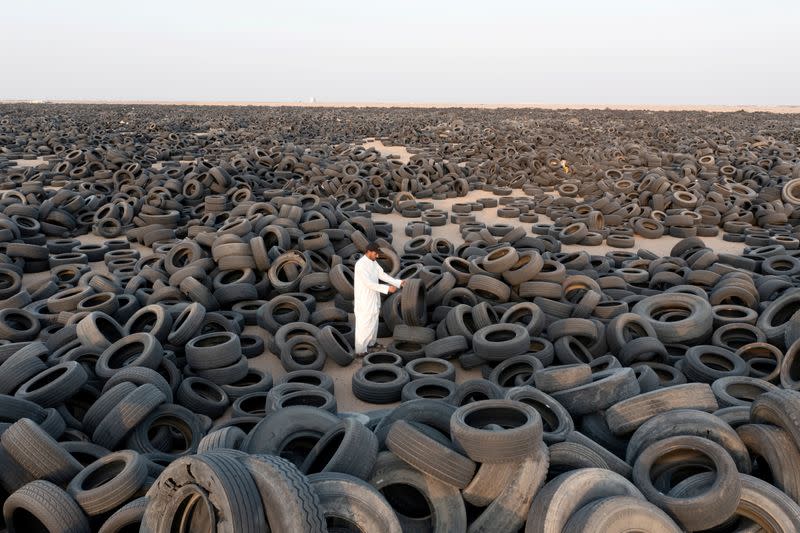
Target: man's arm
[361, 278]
[383, 276]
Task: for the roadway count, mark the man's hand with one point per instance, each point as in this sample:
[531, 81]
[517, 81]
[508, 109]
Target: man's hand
[403, 283]
[392, 289]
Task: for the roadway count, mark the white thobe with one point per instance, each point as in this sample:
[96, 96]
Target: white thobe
[367, 304]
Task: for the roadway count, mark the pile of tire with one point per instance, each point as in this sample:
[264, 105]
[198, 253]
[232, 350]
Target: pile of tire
[654, 392]
[427, 465]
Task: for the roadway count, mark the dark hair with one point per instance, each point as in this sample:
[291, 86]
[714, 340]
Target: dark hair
[373, 247]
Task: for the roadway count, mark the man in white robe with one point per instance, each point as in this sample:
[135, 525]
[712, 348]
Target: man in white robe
[367, 304]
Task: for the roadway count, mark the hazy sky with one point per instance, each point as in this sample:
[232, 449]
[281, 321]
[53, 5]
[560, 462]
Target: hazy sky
[616, 52]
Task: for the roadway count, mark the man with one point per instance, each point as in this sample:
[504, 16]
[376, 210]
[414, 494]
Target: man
[367, 305]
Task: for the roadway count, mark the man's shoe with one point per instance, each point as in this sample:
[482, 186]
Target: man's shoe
[376, 348]
[361, 355]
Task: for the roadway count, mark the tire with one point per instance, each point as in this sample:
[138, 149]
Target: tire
[527, 314]
[642, 349]
[290, 502]
[627, 415]
[773, 446]
[101, 407]
[336, 346]
[347, 448]
[613, 462]
[431, 388]
[626, 327]
[428, 367]
[187, 324]
[139, 349]
[213, 350]
[739, 390]
[381, 383]
[778, 407]
[175, 419]
[236, 506]
[607, 388]
[413, 308]
[509, 510]
[415, 334]
[13, 409]
[22, 365]
[488, 288]
[691, 330]
[84, 452]
[225, 375]
[309, 377]
[253, 404]
[440, 502]
[557, 422]
[767, 506]
[230, 438]
[556, 378]
[705, 364]
[475, 390]
[98, 330]
[522, 430]
[432, 413]
[710, 508]
[126, 415]
[254, 381]
[568, 456]
[489, 482]
[354, 503]
[500, 341]
[42, 506]
[109, 482]
[688, 422]
[139, 375]
[383, 358]
[126, 518]
[153, 319]
[55, 385]
[774, 320]
[617, 514]
[290, 432]
[516, 371]
[500, 260]
[429, 456]
[559, 499]
[316, 397]
[14, 476]
[38, 453]
[17, 325]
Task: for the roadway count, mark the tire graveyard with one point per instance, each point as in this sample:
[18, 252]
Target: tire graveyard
[173, 249]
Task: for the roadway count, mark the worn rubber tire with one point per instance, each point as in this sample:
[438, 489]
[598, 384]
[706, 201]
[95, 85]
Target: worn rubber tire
[560, 498]
[43, 506]
[103, 486]
[521, 423]
[356, 503]
[688, 422]
[627, 415]
[443, 503]
[429, 456]
[235, 507]
[290, 502]
[347, 448]
[711, 507]
[618, 514]
[38, 453]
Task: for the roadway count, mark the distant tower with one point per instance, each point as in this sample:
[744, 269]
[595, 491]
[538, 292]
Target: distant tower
[312, 100]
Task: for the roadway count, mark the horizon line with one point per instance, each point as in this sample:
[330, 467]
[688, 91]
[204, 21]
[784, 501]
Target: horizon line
[776, 108]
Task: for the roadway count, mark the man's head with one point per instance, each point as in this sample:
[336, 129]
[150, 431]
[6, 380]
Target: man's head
[372, 251]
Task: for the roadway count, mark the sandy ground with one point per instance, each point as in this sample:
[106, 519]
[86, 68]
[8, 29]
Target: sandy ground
[782, 109]
[342, 376]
